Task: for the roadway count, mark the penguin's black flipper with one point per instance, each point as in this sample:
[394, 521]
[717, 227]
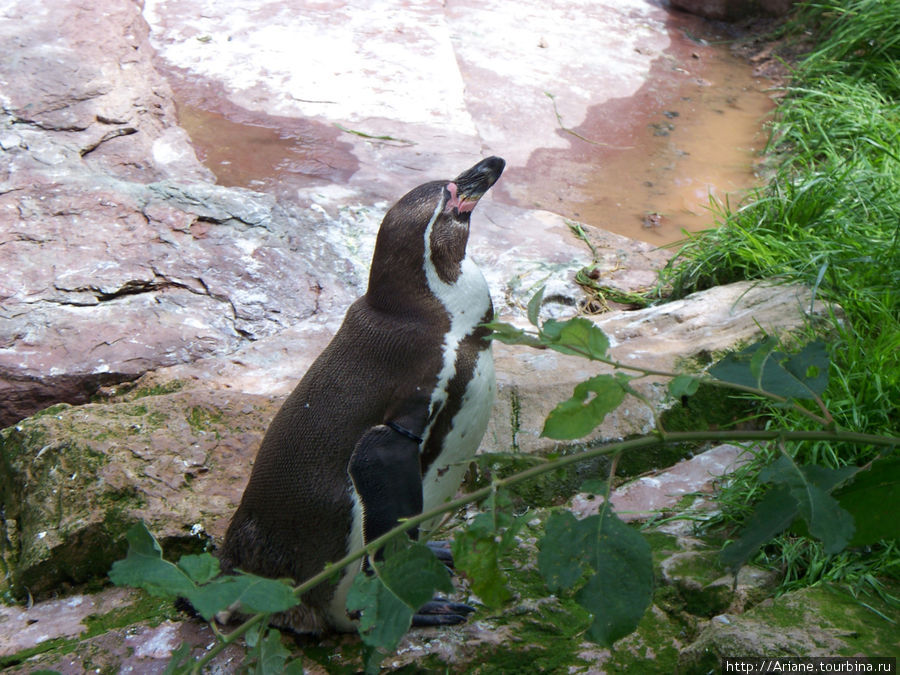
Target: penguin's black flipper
[441, 612]
[385, 472]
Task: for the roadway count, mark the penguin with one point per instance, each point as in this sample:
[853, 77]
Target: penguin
[383, 424]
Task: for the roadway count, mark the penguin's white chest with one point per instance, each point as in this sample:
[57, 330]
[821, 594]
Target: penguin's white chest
[467, 302]
[459, 444]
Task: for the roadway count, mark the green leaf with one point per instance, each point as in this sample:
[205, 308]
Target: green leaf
[200, 568]
[827, 479]
[511, 335]
[616, 561]
[873, 499]
[622, 588]
[594, 486]
[762, 351]
[270, 654]
[384, 617]
[581, 414]
[683, 385]
[414, 574]
[799, 491]
[771, 516]
[563, 555]
[477, 554]
[810, 366]
[388, 599]
[181, 661]
[372, 658]
[826, 519]
[824, 516]
[534, 306]
[294, 667]
[255, 594]
[801, 376]
[578, 336]
[144, 567]
[253, 634]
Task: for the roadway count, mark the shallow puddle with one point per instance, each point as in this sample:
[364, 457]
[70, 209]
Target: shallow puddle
[240, 155]
[647, 166]
[262, 152]
[700, 145]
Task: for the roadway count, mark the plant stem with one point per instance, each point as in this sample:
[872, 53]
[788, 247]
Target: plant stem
[657, 438]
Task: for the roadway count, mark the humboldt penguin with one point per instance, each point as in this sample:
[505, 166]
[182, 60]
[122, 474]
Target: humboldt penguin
[382, 425]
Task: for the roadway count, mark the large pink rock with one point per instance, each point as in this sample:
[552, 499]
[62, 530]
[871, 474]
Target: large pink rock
[119, 255]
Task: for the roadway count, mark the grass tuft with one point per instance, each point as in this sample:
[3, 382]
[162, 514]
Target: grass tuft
[829, 218]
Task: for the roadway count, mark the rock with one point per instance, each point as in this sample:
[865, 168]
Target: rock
[701, 588]
[664, 491]
[25, 628]
[87, 93]
[815, 621]
[78, 477]
[138, 647]
[117, 261]
[666, 337]
[146, 277]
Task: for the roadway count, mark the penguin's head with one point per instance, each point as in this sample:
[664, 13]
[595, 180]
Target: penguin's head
[463, 192]
[429, 228]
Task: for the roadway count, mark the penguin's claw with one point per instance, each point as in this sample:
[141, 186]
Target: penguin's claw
[441, 612]
[441, 550]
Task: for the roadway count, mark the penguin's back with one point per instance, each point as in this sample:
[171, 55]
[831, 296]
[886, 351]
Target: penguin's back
[297, 511]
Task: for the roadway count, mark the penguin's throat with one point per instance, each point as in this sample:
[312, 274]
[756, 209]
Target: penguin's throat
[457, 201]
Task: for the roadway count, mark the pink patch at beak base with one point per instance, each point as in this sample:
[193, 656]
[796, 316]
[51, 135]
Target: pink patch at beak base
[455, 202]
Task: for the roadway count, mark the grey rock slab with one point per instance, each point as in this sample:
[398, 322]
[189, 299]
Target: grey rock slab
[85, 89]
[27, 627]
[661, 491]
[107, 283]
[78, 477]
[144, 648]
[662, 338]
[822, 620]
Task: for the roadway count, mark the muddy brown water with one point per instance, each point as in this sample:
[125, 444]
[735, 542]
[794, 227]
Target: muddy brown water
[645, 166]
[702, 144]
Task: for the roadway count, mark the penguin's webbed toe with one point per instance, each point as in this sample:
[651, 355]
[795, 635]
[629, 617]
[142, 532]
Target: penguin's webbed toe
[441, 612]
[442, 552]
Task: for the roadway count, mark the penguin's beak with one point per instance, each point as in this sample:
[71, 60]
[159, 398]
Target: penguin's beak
[471, 185]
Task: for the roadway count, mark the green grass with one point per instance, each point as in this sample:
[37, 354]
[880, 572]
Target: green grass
[829, 218]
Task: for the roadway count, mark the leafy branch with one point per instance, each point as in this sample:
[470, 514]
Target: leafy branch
[603, 564]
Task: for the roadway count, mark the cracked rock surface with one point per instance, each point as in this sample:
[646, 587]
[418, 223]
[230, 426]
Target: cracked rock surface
[119, 255]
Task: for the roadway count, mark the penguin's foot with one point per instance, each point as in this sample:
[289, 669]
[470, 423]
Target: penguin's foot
[441, 612]
[441, 550]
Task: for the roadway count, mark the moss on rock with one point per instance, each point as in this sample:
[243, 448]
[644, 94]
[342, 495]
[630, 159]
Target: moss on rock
[75, 479]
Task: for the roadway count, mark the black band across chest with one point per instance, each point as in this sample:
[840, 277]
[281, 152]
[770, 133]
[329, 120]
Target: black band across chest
[403, 431]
